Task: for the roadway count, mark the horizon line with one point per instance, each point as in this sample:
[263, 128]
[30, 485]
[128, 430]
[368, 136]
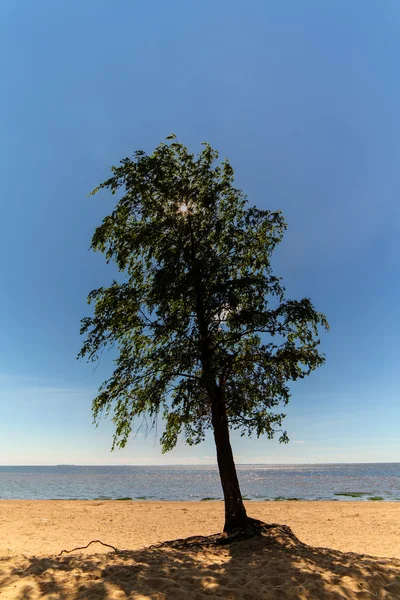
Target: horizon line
[198, 464]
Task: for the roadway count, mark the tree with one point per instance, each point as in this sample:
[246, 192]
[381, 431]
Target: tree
[203, 331]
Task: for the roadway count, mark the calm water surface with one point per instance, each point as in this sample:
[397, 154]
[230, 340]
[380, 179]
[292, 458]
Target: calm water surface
[258, 482]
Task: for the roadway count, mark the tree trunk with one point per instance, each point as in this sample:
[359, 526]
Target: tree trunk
[235, 512]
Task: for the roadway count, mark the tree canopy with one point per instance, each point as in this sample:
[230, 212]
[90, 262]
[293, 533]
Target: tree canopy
[204, 334]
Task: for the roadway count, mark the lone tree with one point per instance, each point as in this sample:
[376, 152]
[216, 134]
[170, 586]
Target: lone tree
[203, 331]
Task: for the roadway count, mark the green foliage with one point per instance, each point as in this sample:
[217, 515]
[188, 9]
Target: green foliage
[197, 296]
[281, 498]
[208, 499]
[353, 494]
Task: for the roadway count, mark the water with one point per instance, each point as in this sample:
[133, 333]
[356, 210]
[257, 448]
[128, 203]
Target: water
[258, 482]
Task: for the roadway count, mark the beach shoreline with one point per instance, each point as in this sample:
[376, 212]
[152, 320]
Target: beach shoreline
[35, 527]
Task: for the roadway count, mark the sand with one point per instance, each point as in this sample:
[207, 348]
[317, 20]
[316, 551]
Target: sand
[343, 550]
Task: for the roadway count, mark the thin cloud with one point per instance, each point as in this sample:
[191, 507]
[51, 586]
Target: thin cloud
[17, 384]
[53, 390]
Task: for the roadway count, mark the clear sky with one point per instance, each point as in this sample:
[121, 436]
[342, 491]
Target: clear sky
[303, 97]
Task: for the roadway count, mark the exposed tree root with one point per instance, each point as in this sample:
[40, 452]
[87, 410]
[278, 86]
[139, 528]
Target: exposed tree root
[87, 546]
[274, 532]
[255, 528]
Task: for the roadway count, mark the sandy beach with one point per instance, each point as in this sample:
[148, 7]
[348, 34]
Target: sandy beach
[340, 550]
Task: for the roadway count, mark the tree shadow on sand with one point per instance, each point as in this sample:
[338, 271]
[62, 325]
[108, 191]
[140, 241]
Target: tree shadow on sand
[274, 565]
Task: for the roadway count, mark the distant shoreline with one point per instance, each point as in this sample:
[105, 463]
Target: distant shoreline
[195, 465]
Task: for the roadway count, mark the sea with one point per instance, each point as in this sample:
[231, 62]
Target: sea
[375, 481]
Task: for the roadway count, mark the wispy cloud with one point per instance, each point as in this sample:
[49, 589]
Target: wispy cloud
[44, 390]
[11, 378]
[33, 386]
[261, 459]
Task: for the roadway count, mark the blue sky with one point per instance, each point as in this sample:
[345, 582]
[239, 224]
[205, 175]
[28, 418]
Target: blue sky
[302, 97]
